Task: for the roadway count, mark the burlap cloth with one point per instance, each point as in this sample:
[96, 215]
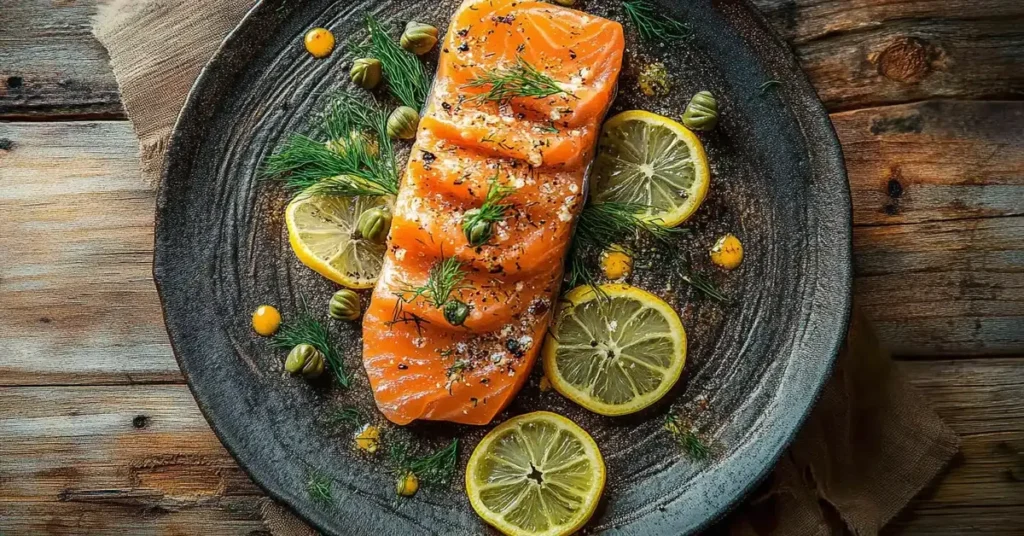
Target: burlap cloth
[868, 447]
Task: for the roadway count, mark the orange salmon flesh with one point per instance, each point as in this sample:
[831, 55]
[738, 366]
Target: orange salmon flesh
[420, 366]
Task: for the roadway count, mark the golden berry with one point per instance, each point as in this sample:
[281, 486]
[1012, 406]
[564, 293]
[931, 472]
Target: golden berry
[319, 42]
[616, 263]
[407, 484]
[727, 252]
[368, 438]
[266, 320]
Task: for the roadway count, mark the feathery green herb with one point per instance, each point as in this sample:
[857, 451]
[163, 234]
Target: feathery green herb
[492, 210]
[305, 329]
[602, 224]
[768, 84]
[348, 417]
[653, 26]
[350, 155]
[701, 282]
[319, 488]
[436, 468]
[445, 277]
[519, 80]
[683, 433]
[403, 71]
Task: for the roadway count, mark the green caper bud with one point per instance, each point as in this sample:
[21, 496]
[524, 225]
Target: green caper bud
[702, 112]
[344, 305]
[477, 231]
[418, 38]
[455, 312]
[403, 122]
[305, 359]
[374, 224]
[366, 72]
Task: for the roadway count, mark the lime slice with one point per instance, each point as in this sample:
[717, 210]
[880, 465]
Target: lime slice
[537, 474]
[651, 160]
[321, 232]
[617, 355]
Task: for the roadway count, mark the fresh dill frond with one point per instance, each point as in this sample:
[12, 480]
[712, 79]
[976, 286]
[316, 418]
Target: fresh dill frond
[305, 329]
[768, 84]
[403, 71]
[701, 282]
[445, 277]
[653, 26]
[353, 155]
[602, 224]
[435, 469]
[687, 438]
[319, 488]
[519, 80]
[348, 417]
[492, 210]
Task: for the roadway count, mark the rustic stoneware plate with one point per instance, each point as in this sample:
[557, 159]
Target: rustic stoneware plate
[755, 366]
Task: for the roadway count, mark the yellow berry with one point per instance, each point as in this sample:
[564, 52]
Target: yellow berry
[368, 438]
[407, 484]
[266, 320]
[727, 252]
[616, 263]
[319, 42]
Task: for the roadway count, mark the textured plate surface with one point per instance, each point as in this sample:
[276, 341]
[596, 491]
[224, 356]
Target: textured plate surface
[754, 366]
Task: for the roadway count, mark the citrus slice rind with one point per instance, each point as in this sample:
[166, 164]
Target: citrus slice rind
[614, 355]
[320, 231]
[537, 474]
[647, 159]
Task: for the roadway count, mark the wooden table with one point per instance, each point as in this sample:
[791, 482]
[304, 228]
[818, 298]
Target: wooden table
[99, 434]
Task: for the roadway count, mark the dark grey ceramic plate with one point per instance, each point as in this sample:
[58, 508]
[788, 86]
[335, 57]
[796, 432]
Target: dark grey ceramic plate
[754, 367]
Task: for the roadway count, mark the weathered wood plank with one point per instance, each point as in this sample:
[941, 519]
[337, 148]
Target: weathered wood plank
[857, 53]
[77, 301]
[141, 459]
[50, 64]
[936, 160]
[868, 52]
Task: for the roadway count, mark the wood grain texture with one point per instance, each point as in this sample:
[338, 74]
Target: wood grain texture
[857, 53]
[862, 53]
[50, 64]
[77, 301]
[142, 460]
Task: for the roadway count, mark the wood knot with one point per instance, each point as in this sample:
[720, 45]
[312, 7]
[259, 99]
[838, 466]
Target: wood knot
[15, 82]
[906, 60]
[140, 421]
[894, 191]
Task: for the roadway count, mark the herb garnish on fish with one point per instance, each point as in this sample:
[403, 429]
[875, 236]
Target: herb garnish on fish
[519, 80]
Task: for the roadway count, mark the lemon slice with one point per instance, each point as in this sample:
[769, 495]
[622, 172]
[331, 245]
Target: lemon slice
[320, 231]
[537, 474]
[617, 355]
[651, 160]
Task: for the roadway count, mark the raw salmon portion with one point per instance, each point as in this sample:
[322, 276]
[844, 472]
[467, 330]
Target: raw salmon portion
[420, 366]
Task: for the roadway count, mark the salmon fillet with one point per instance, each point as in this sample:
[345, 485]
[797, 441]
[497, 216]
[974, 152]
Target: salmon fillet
[421, 366]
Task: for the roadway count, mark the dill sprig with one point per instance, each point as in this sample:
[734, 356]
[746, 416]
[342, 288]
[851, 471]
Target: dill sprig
[492, 210]
[319, 488]
[653, 26]
[348, 417]
[519, 80]
[768, 84]
[405, 76]
[445, 277]
[687, 438]
[305, 329]
[353, 155]
[602, 224]
[701, 282]
[436, 468]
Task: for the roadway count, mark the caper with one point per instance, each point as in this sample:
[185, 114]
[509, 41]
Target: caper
[366, 72]
[702, 112]
[418, 38]
[407, 484]
[455, 312]
[344, 305]
[477, 231]
[374, 224]
[403, 122]
[305, 359]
